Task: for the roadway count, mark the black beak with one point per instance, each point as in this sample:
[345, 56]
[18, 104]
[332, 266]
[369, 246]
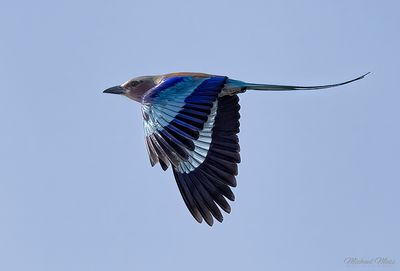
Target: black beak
[115, 90]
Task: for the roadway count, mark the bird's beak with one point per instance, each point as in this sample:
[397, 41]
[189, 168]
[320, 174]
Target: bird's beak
[115, 90]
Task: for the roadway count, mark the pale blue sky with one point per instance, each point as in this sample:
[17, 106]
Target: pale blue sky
[319, 178]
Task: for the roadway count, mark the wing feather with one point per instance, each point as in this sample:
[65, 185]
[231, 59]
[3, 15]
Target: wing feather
[212, 166]
[175, 111]
[189, 125]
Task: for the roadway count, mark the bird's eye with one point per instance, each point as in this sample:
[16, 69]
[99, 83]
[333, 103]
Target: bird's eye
[135, 83]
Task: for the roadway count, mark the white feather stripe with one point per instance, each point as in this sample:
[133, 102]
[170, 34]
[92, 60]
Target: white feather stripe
[162, 115]
[204, 139]
[167, 111]
[202, 144]
[201, 152]
[198, 156]
[174, 108]
[175, 104]
[193, 162]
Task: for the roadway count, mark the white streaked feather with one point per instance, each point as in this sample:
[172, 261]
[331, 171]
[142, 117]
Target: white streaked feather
[202, 144]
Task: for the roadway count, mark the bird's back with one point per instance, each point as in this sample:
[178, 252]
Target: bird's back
[191, 122]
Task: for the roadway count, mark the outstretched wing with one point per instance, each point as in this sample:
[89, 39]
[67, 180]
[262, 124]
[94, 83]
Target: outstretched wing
[174, 113]
[189, 126]
[204, 180]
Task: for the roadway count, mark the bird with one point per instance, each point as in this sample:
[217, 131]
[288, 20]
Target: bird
[191, 124]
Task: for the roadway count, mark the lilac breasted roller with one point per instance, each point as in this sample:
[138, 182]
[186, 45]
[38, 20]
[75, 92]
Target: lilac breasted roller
[191, 122]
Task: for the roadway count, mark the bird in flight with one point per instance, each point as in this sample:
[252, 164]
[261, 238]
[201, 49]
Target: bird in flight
[191, 122]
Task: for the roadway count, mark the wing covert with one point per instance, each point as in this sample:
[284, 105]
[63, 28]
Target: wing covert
[174, 113]
[190, 125]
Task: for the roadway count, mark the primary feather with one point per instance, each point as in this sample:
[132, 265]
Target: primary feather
[191, 122]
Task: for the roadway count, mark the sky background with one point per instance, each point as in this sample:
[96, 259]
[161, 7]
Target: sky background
[319, 178]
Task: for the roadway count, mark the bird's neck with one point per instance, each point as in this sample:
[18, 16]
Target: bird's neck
[138, 93]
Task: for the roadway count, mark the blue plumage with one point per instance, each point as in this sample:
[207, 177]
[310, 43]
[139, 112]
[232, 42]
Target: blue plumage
[191, 122]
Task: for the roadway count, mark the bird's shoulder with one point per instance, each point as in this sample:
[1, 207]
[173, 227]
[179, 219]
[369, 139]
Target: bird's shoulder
[182, 85]
[187, 74]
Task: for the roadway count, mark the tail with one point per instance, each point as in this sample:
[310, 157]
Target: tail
[243, 86]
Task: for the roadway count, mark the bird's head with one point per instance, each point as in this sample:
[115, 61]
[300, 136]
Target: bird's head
[134, 88]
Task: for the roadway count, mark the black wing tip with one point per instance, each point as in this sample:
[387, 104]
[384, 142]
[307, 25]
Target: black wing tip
[201, 202]
[206, 189]
[210, 222]
[199, 219]
[163, 165]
